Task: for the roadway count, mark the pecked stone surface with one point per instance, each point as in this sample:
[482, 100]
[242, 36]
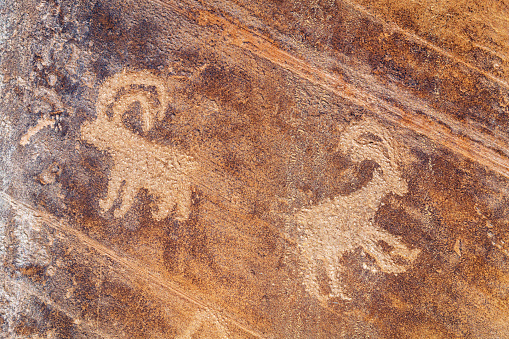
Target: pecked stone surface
[207, 169]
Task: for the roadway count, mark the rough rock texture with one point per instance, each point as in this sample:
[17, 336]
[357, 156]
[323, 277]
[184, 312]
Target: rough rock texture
[237, 169]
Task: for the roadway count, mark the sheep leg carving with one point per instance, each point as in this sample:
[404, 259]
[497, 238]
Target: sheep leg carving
[398, 249]
[128, 196]
[113, 190]
[333, 272]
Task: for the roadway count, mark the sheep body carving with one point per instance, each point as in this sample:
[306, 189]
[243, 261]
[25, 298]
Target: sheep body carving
[162, 170]
[344, 223]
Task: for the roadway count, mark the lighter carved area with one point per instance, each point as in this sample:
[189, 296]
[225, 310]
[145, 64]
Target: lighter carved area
[138, 163]
[344, 223]
[41, 123]
[209, 324]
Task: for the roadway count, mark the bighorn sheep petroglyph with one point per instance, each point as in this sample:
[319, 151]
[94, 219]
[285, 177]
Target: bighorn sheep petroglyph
[162, 170]
[344, 223]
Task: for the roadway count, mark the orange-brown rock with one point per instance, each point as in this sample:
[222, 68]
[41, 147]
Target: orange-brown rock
[238, 169]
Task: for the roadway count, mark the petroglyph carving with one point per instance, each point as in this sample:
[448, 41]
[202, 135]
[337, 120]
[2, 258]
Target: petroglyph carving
[52, 120]
[162, 170]
[208, 323]
[49, 175]
[41, 123]
[344, 223]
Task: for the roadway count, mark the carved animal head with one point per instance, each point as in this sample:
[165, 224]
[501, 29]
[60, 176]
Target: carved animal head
[368, 140]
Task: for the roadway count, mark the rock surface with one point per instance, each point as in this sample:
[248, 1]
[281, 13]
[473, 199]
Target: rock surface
[238, 169]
